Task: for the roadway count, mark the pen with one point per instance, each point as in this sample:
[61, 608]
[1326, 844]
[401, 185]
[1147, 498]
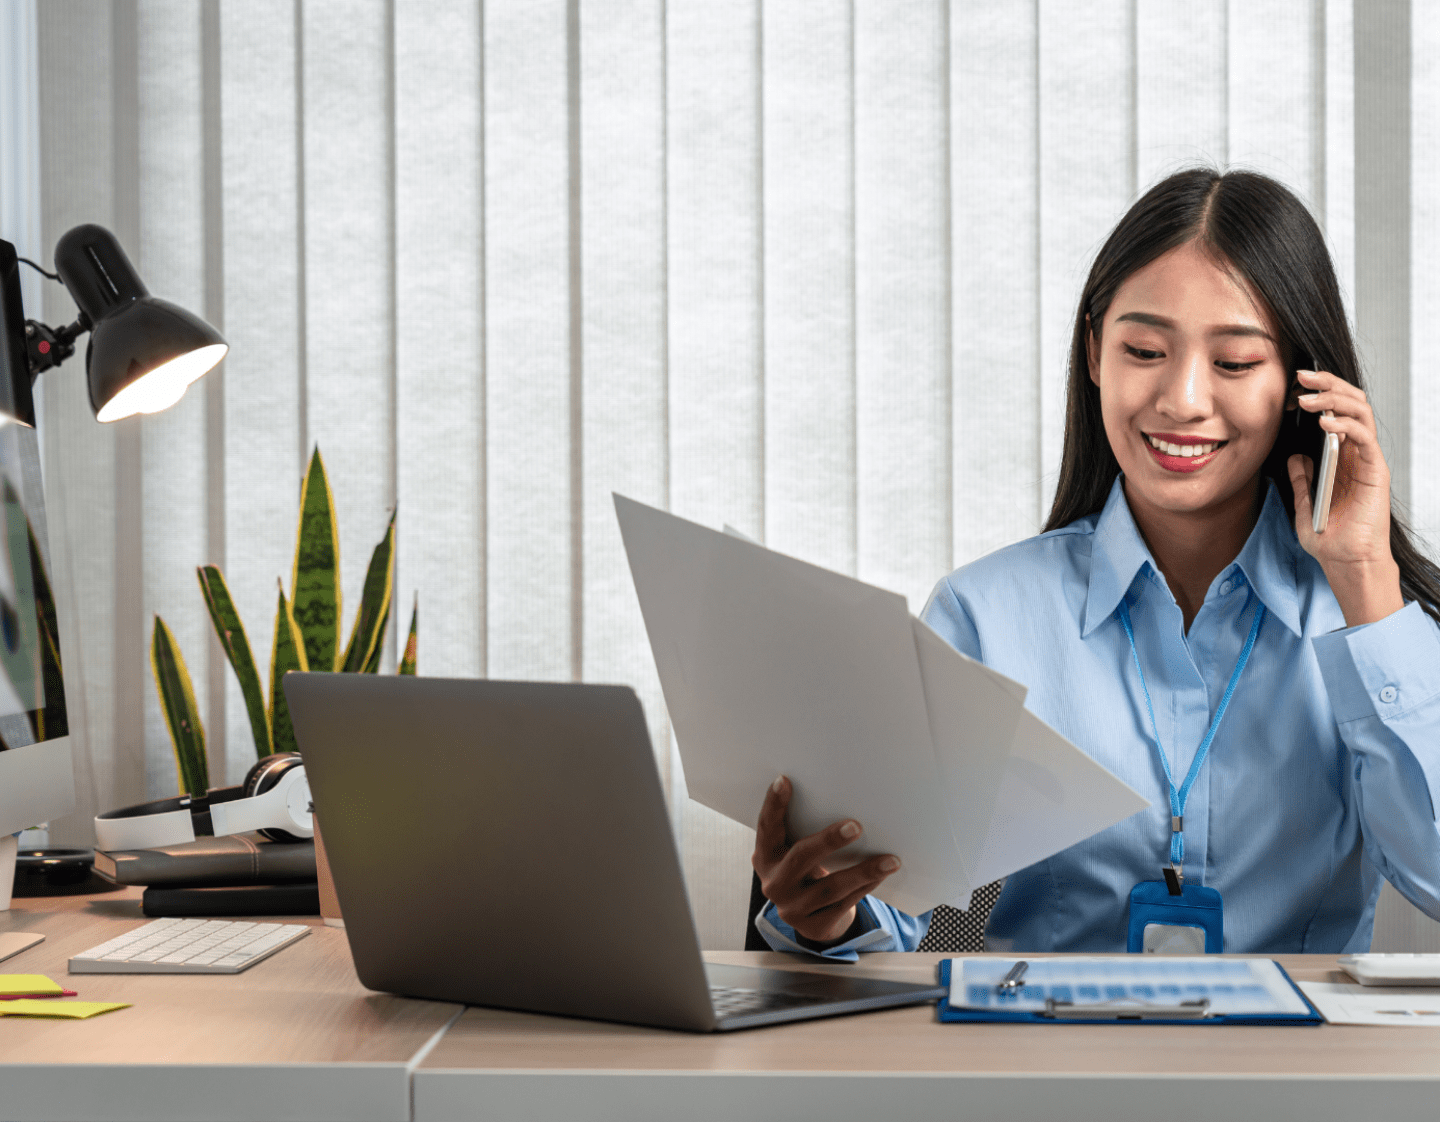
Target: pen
[1012, 980]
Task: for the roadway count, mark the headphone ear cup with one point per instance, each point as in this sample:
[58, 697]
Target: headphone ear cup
[264, 775]
[267, 771]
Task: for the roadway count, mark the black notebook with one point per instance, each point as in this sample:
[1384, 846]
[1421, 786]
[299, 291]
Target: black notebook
[233, 900]
[235, 859]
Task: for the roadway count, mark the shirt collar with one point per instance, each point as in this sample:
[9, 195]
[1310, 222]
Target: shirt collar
[1118, 553]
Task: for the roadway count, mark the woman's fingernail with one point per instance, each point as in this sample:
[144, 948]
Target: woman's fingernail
[1307, 397]
[889, 865]
[850, 830]
[778, 785]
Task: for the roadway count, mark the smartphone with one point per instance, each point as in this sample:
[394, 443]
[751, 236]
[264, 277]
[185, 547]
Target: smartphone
[1325, 480]
[1323, 448]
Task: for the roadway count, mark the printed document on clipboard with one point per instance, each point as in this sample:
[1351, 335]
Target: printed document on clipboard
[1161, 989]
[773, 666]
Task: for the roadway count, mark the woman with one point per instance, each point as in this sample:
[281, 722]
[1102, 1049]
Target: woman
[1179, 569]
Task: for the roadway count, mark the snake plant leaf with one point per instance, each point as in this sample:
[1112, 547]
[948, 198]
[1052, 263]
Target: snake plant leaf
[231, 633]
[372, 664]
[182, 715]
[315, 578]
[407, 661]
[370, 620]
[288, 653]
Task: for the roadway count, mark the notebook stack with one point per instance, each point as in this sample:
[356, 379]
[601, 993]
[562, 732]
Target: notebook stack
[237, 875]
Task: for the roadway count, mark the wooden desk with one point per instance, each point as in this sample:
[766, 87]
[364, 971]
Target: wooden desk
[297, 1037]
[293, 1037]
[903, 1064]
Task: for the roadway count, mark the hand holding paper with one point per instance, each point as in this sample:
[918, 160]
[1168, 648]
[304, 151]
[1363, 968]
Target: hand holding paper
[772, 666]
[817, 903]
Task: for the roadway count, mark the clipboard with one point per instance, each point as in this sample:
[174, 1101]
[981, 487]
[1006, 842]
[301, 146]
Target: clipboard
[951, 1014]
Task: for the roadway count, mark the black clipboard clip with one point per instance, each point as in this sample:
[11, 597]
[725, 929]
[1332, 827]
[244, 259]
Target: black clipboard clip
[1126, 1011]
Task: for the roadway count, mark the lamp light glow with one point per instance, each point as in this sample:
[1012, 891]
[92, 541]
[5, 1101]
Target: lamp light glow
[163, 386]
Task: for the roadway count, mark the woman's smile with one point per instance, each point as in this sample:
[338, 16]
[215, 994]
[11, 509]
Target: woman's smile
[1175, 452]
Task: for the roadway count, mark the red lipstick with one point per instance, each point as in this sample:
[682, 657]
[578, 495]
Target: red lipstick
[1181, 464]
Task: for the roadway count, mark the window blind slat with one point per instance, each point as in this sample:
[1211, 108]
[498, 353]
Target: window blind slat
[349, 334]
[809, 239]
[171, 261]
[994, 161]
[902, 253]
[527, 330]
[264, 308]
[439, 371]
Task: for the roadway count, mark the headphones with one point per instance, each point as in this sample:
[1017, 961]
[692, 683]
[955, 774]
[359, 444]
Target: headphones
[274, 799]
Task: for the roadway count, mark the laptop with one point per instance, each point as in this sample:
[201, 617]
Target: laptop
[507, 844]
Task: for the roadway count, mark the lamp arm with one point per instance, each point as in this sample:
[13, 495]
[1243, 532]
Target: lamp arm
[48, 347]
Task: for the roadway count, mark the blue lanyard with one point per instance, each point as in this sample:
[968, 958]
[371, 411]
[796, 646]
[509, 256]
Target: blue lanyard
[1178, 798]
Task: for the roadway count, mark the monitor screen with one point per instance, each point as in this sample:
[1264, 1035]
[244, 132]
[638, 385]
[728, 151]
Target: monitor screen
[15, 400]
[32, 692]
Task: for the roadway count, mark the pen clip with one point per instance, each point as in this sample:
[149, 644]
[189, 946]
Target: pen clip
[1013, 978]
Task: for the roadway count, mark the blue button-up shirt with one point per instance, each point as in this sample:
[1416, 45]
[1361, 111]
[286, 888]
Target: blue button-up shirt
[1321, 777]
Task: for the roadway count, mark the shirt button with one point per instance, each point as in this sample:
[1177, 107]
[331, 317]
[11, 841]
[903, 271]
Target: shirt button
[1389, 694]
[1225, 588]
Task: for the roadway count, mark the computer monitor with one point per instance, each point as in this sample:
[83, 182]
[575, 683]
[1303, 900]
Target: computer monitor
[37, 782]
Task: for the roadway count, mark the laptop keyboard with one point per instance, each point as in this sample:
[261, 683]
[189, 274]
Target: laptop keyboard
[734, 1001]
[188, 946]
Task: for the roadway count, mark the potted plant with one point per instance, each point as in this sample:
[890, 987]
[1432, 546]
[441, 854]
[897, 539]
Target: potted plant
[307, 637]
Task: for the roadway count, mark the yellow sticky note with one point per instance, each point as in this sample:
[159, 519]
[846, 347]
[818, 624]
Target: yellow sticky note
[28, 984]
[73, 1010]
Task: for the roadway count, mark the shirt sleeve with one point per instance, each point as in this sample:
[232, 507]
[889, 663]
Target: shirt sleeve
[1383, 680]
[948, 618]
[886, 929]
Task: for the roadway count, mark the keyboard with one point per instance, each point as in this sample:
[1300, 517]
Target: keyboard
[733, 1001]
[188, 946]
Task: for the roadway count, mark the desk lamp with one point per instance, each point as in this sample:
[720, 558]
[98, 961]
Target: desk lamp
[143, 354]
[144, 351]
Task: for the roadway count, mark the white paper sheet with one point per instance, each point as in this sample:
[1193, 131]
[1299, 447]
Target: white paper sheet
[973, 716]
[1051, 796]
[773, 666]
[1343, 1003]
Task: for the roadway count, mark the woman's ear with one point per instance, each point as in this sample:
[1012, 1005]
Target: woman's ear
[1292, 395]
[1092, 351]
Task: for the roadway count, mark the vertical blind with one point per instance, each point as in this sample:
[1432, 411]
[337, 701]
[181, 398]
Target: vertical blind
[808, 268]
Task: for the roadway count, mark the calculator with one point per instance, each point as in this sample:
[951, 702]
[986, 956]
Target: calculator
[1392, 969]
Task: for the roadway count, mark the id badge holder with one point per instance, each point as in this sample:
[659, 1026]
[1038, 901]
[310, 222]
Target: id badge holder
[1190, 923]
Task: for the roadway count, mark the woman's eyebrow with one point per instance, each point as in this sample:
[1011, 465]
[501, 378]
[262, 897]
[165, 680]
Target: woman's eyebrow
[1246, 329]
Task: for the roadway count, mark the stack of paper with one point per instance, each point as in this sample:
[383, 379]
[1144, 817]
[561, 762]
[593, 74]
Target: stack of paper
[772, 666]
[1346, 1004]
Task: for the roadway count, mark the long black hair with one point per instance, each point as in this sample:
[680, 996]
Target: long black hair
[1255, 226]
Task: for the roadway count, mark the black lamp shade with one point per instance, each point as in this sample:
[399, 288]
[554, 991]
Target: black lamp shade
[142, 357]
[144, 352]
